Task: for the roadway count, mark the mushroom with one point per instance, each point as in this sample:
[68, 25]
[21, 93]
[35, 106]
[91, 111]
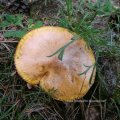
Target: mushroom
[65, 80]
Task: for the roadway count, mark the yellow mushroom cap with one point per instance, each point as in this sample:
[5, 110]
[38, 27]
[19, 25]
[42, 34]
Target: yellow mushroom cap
[62, 79]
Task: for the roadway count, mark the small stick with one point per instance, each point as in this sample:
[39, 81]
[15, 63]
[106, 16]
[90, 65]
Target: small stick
[8, 41]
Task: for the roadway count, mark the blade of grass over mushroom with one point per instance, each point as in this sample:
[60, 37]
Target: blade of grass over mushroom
[61, 50]
[88, 68]
[60, 56]
[94, 67]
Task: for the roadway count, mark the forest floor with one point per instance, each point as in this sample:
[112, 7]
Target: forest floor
[98, 24]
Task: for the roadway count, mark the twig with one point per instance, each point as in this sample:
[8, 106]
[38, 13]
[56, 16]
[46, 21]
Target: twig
[8, 41]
